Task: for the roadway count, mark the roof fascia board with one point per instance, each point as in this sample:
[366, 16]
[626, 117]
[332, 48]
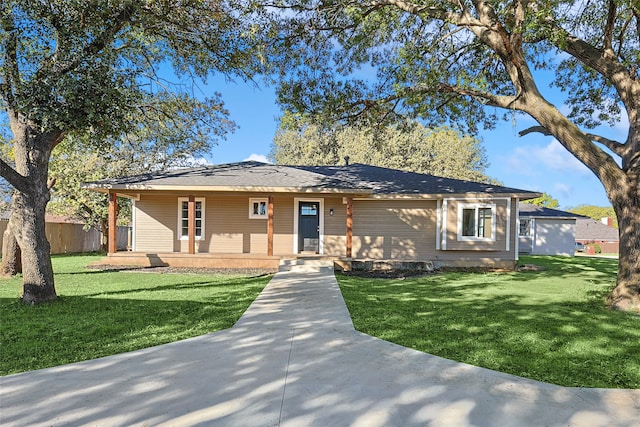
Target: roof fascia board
[474, 196]
[106, 188]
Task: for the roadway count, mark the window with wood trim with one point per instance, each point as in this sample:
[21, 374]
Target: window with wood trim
[183, 218]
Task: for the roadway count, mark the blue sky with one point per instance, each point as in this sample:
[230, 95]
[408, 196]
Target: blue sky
[534, 162]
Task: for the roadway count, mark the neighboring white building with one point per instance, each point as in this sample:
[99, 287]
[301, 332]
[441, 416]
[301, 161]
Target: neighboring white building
[545, 231]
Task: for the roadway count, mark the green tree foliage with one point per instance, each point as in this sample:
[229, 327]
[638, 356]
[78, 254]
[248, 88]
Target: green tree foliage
[463, 62]
[442, 151]
[596, 212]
[181, 130]
[546, 200]
[98, 68]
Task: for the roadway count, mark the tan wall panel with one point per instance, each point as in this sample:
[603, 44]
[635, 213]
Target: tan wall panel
[156, 223]
[230, 227]
[387, 229]
[282, 225]
[383, 229]
[335, 227]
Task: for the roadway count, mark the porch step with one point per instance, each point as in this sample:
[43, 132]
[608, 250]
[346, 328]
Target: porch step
[307, 265]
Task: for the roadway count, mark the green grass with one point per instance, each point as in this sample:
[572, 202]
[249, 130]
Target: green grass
[549, 325]
[100, 313]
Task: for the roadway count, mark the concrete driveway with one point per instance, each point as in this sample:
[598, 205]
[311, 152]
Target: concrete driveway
[294, 359]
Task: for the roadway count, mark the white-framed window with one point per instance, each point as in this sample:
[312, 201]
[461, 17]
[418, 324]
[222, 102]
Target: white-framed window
[183, 218]
[258, 208]
[476, 222]
[525, 228]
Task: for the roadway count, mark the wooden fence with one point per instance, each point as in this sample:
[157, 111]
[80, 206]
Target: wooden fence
[66, 238]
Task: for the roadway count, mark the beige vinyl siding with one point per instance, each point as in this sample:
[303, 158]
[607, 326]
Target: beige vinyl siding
[230, 229]
[335, 227]
[282, 225]
[390, 229]
[156, 223]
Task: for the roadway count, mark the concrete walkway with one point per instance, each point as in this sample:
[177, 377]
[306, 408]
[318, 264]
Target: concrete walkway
[294, 359]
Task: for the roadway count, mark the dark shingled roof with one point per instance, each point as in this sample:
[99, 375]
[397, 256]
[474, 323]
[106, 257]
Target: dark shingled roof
[527, 210]
[393, 181]
[244, 174]
[356, 178]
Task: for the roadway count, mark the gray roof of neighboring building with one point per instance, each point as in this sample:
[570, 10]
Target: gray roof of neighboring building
[590, 229]
[527, 210]
[356, 178]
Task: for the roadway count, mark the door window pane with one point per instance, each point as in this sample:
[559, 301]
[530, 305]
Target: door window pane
[308, 210]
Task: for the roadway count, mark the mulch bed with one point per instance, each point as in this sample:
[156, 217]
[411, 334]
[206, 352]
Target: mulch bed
[252, 272]
[387, 274]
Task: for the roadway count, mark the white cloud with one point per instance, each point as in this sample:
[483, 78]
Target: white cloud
[527, 160]
[257, 158]
[556, 157]
[562, 189]
[194, 162]
[190, 162]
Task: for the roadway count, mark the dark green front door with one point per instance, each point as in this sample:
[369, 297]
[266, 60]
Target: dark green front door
[309, 227]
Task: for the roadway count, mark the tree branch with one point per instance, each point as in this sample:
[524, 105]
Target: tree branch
[615, 146]
[535, 129]
[10, 77]
[608, 29]
[99, 43]
[606, 65]
[18, 181]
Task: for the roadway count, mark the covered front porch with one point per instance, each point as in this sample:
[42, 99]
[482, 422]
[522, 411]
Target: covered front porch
[270, 233]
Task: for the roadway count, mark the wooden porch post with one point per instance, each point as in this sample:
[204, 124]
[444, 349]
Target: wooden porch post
[192, 224]
[270, 227]
[349, 226]
[112, 243]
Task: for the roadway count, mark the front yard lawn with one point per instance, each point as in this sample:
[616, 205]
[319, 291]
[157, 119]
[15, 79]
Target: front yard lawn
[101, 313]
[547, 325]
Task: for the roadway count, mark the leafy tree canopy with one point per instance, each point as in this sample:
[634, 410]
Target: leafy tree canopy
[180, 132]
[441, 151]
[546, 200]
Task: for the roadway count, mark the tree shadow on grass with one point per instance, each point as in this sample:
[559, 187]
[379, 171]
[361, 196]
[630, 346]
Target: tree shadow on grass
[522, 323]
[76, 328]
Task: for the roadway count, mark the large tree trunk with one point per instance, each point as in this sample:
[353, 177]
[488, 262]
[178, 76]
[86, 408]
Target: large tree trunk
[11, 255]
[622, 186]
[29, 229]
[626, 295]
[32, 151]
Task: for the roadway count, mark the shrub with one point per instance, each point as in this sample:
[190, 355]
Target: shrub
[596, 248]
